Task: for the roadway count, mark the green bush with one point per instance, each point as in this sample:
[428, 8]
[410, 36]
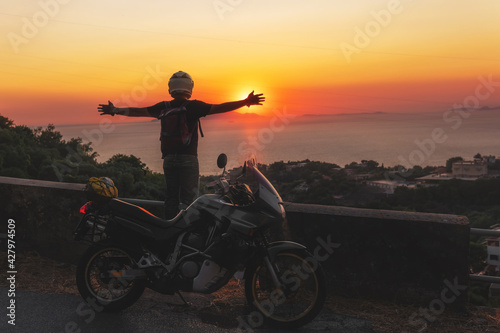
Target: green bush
[43, 154]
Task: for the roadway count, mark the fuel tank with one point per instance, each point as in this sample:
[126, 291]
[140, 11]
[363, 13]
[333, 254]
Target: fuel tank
[243, 219]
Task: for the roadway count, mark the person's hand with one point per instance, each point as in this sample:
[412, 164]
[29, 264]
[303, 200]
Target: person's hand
[255, 99]
[107, 109]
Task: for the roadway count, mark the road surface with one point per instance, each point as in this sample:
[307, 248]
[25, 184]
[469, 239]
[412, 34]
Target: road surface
[58, 313]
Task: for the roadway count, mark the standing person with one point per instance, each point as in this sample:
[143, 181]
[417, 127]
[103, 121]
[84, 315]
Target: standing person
[179, 146]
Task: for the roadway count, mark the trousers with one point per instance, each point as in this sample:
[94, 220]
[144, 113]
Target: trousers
[181, 182]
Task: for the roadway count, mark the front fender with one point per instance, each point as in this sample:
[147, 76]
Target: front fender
[276, 247]
[273, 249]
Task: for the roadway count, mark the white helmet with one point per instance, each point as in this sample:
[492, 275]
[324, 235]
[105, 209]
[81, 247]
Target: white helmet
[181, 82]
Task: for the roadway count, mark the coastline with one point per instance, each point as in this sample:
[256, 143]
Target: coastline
[423, 139]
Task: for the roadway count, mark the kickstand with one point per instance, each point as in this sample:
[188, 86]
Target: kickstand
[185, 303]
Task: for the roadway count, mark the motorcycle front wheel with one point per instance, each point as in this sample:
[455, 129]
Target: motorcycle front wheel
[98, 278]
[301, 295]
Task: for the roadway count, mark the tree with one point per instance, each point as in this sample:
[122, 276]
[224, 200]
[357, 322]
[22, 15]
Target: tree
[50, 138]
[371, 164]
[352, 165]
[5, 122]
[278, 166]
[449, 162]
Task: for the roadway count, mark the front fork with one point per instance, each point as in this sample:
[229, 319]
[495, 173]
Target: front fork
[270, 252]
[273, 270]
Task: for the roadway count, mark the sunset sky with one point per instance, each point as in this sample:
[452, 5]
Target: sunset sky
[60, 59]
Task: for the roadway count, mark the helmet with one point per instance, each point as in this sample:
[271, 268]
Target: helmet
[101, 190]
[181, 82]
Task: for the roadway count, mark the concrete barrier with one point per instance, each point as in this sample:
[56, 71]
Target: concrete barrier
[46, 214]
[401, 256]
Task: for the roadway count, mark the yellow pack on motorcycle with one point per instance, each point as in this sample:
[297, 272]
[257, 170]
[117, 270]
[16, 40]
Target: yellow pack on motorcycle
[101, 190]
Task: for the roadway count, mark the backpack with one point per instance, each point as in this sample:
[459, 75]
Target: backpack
[175, 131]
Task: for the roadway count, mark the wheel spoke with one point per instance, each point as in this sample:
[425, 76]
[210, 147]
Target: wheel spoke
[300, 294]
[101, 284]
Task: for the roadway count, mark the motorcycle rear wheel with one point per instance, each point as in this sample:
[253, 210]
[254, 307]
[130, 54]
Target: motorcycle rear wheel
[110, 294]
[302, 296]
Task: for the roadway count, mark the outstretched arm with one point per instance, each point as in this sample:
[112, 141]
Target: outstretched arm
[129, 112]
[230, 106]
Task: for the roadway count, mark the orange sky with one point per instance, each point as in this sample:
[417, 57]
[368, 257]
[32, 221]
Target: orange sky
[59, 58]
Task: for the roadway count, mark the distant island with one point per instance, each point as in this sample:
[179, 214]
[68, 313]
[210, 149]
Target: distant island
[483, 108]
[343, 114]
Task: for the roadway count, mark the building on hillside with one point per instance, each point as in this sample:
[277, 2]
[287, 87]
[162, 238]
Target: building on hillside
[388, 185]
[361, 176]
[463, 170]
[473, 169]
[439, 171]
[490, 159]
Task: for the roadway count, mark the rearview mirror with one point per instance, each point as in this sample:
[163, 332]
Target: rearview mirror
[222, 161]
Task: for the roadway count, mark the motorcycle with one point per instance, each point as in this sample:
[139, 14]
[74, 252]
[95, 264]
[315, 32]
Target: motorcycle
[199, 251]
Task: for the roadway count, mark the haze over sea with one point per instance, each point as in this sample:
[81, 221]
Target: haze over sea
[425, 139]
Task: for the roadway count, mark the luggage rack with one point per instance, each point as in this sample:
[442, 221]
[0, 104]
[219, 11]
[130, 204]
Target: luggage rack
[95, 229]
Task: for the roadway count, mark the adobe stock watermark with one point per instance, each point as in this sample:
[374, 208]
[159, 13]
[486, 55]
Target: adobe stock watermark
[437, 306]
[454, 117]
[31, 26]
[294, 276]
[225, 6]
[153, 78]
[372, 29]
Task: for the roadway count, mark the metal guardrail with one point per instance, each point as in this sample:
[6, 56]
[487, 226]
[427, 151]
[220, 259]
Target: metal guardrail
[485, 278]
[484, 232]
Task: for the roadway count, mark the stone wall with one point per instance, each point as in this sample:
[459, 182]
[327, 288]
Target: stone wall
[402, 256]
[45, 217]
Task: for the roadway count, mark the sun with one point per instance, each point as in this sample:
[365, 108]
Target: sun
[244, 93]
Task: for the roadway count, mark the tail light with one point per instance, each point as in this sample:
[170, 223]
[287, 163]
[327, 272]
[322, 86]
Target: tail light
[85, 208]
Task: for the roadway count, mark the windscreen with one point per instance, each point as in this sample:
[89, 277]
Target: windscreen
[268, 193]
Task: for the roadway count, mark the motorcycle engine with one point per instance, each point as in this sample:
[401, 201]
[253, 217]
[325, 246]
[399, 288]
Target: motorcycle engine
[190, 269]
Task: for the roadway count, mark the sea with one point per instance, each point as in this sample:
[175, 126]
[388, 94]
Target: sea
[424, 138]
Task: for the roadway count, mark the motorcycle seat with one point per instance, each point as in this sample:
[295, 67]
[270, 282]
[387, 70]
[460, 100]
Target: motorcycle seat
[140, 215]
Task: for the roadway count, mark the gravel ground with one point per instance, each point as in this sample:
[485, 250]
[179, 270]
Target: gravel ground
[46, 280]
